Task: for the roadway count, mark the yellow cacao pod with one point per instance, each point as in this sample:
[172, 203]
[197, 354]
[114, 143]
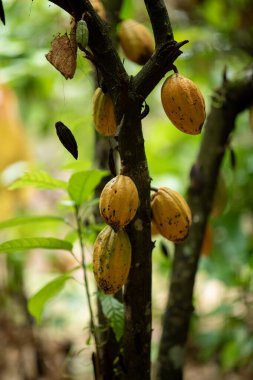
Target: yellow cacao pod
[136, 41]
[99, 8]
[171, 214]
[111, 260]
[103, 113]
[119, 201]
[183, 103]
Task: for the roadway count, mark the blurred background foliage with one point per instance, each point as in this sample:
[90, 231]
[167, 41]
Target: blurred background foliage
[220, 38]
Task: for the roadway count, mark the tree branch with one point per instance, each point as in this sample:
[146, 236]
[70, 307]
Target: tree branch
[162, 30]
[229, 100]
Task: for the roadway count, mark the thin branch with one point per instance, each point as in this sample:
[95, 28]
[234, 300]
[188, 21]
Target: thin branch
[86, 286]
[229, 100]
[157, 66]
[162, 29]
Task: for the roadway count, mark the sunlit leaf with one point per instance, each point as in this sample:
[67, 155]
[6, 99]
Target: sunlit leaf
[39, 179]
[82, 184]
[38, 301]
[114, 312]
[30, 219]
[36, 242]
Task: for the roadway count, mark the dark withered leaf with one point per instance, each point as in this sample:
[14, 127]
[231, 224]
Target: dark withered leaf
[164, 249]
[67, 138]
[2, 17]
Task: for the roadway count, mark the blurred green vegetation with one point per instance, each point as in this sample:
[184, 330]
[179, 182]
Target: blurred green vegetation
[220, 36]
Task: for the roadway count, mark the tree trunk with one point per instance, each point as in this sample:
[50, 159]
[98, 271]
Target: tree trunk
[128, 94]
[228, 101]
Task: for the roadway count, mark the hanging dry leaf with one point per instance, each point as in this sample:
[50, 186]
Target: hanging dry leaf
[63, 55]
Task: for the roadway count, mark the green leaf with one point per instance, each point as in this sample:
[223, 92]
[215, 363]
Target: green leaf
[114, 312]
[82, 184]
[36, 242]
[39, 179]
[38, 301]
[30, 219]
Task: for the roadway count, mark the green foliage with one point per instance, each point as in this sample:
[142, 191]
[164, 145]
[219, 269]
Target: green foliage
[14, 222]
[82, 184]
[39, 179]
[39, 300]
[24, 244]
[114, 312]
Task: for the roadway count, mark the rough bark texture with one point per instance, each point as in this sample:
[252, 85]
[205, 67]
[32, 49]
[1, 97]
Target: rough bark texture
[128, 94]
[109, 347]
[228, 101]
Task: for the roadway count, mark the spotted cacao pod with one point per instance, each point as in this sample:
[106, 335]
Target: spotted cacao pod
[171, 214]
[183, 103]
[136, 41]
[111, 260]
[103, 113]
[119, 201]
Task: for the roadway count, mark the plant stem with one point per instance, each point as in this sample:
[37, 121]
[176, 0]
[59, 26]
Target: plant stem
[86, 285]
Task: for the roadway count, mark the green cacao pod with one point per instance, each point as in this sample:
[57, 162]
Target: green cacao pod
[183, 103]
[136, 41]
[119, 201]
[171, 214]
[82, 34]
[103, 113]
[111, 260]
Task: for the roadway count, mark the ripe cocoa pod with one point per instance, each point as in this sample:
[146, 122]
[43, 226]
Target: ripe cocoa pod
[183, 103]
[136, 41]
[119, 201]
[99, 8]
[111, 260]
[171, 214]
[103, 113]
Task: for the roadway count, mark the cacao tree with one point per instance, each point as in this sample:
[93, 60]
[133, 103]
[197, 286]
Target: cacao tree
[130, 356]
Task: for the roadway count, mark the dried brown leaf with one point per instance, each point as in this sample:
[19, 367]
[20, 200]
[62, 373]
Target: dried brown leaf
[63, 55]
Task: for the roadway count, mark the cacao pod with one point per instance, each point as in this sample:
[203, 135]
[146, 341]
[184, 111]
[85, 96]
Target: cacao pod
[111, 260]
[103, 113]
[154, 230]
[171, 214]
[136, 41]
[183, 103]
[99, 8]
[82, 34]
[119, 201]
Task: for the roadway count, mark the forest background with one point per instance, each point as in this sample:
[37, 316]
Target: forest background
[220, 39]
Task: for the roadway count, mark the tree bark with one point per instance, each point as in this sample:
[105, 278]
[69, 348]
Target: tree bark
[128, 94]
[228, 101]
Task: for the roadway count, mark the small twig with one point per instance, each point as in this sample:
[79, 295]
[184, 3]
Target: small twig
[86, 283]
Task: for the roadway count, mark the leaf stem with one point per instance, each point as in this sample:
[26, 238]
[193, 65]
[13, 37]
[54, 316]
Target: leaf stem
[86, 285]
